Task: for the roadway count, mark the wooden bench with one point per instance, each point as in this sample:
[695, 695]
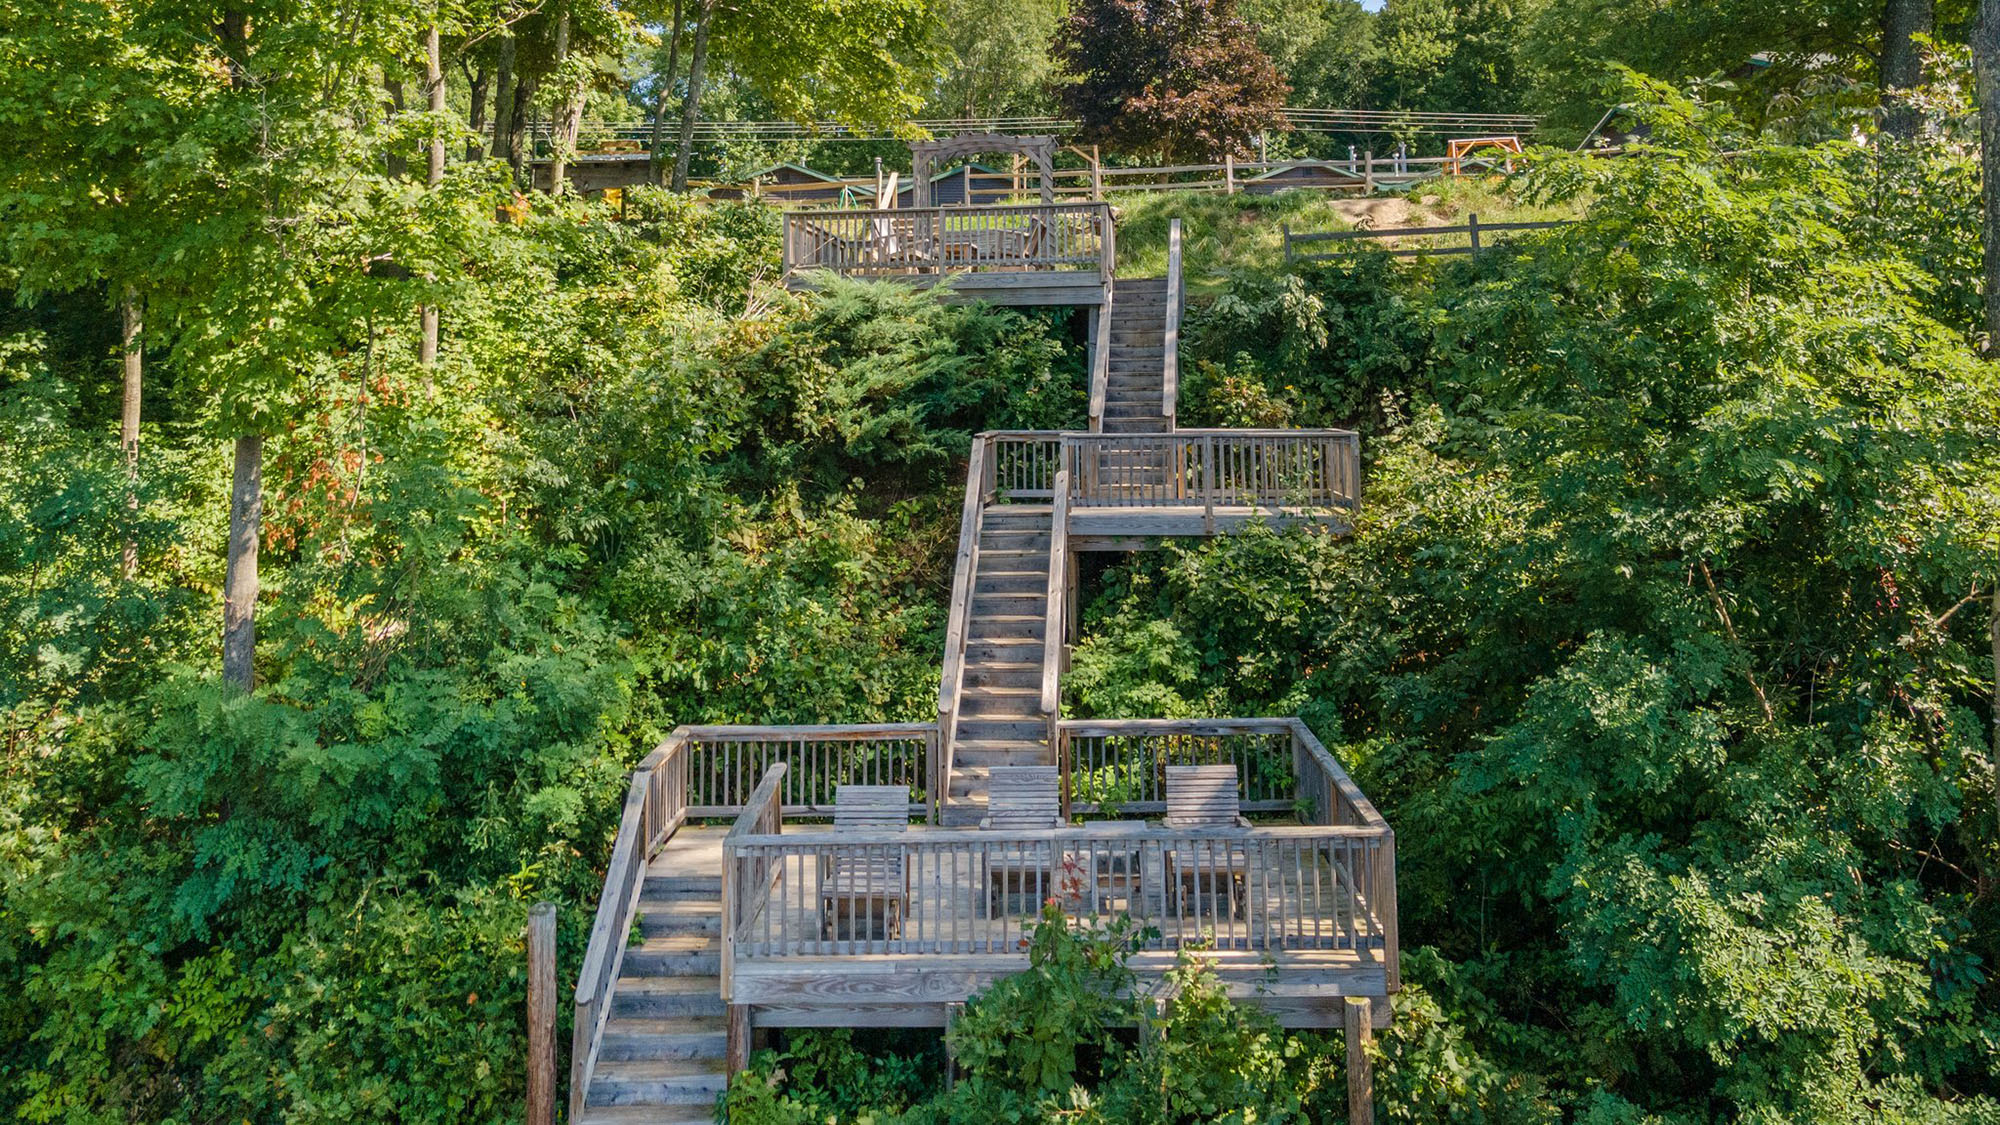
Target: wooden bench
[1206, 797]
[1021, 799]
[863, 895]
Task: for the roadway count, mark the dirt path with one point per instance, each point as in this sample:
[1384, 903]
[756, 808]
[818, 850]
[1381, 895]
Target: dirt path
[1376, 213]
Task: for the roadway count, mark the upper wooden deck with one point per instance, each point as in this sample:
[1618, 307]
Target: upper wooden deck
[1027, 254]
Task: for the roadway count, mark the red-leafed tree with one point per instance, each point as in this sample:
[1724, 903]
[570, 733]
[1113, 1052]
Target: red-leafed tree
[1180, 79]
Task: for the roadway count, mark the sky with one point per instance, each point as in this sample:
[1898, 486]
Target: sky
[1372, 5]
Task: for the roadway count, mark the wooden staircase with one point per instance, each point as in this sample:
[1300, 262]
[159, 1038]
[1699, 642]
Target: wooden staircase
[1000, 722]
[1134, 399]
[664, 1058]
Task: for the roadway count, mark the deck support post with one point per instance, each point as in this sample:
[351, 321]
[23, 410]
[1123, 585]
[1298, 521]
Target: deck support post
[737, 1038]
[542, 1014]
[1360, 1070]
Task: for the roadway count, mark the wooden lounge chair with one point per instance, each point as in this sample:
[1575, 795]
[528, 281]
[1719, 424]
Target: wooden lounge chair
[1203, 872]
[1021, 799]
[863, 895]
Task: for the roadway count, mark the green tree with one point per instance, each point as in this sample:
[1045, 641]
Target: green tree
[998, 57]
[1181, 81]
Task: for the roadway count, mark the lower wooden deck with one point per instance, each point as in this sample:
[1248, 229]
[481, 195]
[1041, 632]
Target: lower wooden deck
[963, 930]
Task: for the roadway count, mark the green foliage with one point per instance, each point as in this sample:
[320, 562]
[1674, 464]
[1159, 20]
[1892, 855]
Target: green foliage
[1663, 640]
[1027, 1033]
[489, 588]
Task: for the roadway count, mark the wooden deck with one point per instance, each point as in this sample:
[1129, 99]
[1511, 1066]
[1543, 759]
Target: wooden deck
[1032, 254]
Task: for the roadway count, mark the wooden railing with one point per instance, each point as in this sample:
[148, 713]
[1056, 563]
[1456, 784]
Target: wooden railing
[1021, 465]
[746, 888]
[724, 763]
[1266, 889]
[1056, 619]
[1117, 766]
[930, 240]
[965, 571]
[1325, 884]
[1100, 359]
[1211, 468]
[1328, 796]
[1170, 356]
[655, 805]
[1473, 230]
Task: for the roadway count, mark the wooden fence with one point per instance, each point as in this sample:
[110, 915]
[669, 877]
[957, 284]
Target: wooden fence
[1477, 234]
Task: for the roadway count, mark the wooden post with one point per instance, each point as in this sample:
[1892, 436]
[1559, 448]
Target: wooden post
[542, 1014]
[1472, 226]
[1096, 176]
[1229, 173]
[1360, 1070]
[1368, 177]
[1208, 484]
[736, 1043]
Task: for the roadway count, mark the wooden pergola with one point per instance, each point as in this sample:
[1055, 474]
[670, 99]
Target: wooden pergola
[925, 155]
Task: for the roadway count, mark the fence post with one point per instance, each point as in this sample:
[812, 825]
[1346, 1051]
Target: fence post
[1368, 177]
[1228, 173]
[1096, 176]
[1286, 228]
[1360, 1070]
[1472, 225]
[542, 1014]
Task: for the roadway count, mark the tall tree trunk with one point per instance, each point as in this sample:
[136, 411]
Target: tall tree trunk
[246, 493]
[656, 157]
[503, 101]
[517, 133]
[398, 165]
[691, 109]
[480, 84]
[559, 158]
[239, 588]
[1986, 72]
[1902, 64]
[128, 423]
[427, 346]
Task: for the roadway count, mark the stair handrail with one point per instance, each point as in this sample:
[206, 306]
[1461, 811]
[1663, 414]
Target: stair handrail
[964, 574]
[655, 806]
[1056, 617]
[763, 815]
[1100, 362]
[1170, 357]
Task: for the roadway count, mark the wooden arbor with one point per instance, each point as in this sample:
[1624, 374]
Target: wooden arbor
[925, 156]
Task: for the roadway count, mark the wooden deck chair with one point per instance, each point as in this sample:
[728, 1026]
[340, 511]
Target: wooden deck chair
[864, 894]
[1202, 872]
[1021, 799]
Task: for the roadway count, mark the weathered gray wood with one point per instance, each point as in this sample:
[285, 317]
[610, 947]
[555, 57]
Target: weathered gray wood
[1360, 1068]
[737, 1029]
[542, 1014]
[1170, 370]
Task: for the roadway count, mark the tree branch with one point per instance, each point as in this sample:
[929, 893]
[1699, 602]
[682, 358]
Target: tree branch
[1729, 627]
